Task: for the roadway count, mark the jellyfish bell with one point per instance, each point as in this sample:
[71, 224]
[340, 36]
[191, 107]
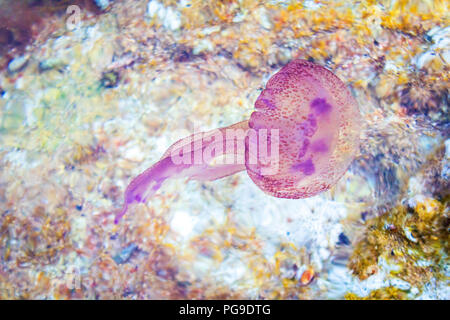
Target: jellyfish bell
[318, 122]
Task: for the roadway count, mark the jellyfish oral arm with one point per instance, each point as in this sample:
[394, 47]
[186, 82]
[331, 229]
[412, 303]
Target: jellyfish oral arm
[204, 156]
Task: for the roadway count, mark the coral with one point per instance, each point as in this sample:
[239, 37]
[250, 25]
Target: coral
[414, 240]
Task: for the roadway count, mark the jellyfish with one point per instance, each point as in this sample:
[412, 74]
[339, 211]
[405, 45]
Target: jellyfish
[299, 141]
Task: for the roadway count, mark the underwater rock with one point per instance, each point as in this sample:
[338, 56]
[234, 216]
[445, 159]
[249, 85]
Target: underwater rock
[445, 173]
[343, 239]
[170, 18]
[263, 18]
[439, 52]
[125, 254]
[110, 79]
[204, 45]
[51, 63]
[103, 4]
[14, 113]
[18, 64]
[134, 154]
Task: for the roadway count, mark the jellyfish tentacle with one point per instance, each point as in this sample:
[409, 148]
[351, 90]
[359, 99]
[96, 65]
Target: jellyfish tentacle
[191, 157]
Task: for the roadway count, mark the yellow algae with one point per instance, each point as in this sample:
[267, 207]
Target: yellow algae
[406, 239]
[387, 293]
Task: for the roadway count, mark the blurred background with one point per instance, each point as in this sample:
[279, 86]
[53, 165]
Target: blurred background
[93, 92]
